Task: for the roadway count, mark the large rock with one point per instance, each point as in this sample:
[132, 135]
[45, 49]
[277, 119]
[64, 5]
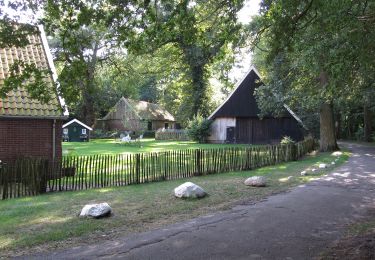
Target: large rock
[256, 181]
[323, 166]
[189, 190]
[96, 210]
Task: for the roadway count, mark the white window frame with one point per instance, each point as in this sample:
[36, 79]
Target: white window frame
[84, 131]
[65, 131]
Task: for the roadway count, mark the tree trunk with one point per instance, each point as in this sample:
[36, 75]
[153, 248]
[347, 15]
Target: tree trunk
[367, 118]
[338, 125]
[199, 91]
[88, 109]
[327, 129]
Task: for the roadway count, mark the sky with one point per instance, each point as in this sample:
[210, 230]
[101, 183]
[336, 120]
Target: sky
[250, 9]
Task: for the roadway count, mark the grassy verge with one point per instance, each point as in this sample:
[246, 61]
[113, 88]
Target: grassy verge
[358, 242]
[49, 221]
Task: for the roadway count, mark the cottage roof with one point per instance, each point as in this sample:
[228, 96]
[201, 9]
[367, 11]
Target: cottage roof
[145, 110]
[78, 122]
[18, 103]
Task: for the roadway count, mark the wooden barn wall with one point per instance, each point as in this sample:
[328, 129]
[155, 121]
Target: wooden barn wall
[219, 129]
[267, 130]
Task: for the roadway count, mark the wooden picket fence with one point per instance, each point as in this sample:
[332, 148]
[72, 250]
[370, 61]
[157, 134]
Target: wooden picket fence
[172, 135]
[30, 177]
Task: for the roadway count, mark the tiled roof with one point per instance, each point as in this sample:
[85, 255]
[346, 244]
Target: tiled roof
[18, 103]
[150, 111]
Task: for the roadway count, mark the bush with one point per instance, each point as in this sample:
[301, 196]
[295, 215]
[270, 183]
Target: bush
[287, 140]
[100, 133]
[149, 134]
[199, 129]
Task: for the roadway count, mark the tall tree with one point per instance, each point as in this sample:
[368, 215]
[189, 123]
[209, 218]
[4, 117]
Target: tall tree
[322, 45]
[199, 30]
[84, 38]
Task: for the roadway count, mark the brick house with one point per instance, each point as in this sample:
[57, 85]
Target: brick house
[29, 128]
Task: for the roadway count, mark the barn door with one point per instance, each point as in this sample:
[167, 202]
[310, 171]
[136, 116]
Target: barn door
[244, 130]
[230, 135]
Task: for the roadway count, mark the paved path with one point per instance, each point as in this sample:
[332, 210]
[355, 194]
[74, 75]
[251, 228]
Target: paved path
[294, 225]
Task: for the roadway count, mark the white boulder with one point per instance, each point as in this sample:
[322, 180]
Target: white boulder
[189, 190]
[256, 181]
[323, 166]
[303, 173]
[96, 210]
[337, 153]
[333, 163]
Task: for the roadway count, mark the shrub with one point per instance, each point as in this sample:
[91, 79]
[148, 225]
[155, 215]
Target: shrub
[149, 134]
[287, 140]
[100, 133]
[199, 129]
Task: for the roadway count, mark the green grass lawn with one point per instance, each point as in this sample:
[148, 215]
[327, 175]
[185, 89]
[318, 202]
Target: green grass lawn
[51, 220]
[111, 146]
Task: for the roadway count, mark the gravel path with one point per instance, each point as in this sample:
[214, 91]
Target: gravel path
[299, 224]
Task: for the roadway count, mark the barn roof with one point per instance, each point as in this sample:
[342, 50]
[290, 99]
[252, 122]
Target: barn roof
[78, 122]
[242, 103]
[145, 110]
[18, 103]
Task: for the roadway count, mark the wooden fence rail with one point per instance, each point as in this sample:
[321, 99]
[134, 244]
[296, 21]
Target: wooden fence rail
[31, 177]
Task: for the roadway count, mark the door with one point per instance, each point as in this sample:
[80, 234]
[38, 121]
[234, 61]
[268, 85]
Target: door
[244, 130]
[230, 135]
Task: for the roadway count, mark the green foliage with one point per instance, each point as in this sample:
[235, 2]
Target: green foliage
[200, 31]
[199, 128]
[314, 52]
[287, 140]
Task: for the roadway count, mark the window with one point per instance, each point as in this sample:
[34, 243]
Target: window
[166, 125]
[83, 131]
[65, 131]
[149, 125]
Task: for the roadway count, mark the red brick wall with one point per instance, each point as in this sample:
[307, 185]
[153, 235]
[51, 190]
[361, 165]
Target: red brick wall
[28, 138]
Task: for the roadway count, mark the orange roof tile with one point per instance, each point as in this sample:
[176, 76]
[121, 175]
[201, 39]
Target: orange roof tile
[18, 103]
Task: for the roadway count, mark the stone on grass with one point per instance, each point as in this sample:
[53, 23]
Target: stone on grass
[313, 170]
[189, 190]
[333, 163]
[323, 166]
[96, 210]
[256, 181]
[303, 173]
[337, 153]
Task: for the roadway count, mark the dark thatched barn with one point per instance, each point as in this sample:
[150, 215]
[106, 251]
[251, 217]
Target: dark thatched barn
[236, 120]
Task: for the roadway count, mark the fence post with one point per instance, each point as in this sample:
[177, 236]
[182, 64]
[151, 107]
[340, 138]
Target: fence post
[3, 181]
[293, 150]
[43, 168]
[137, 167]
[198, 162]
